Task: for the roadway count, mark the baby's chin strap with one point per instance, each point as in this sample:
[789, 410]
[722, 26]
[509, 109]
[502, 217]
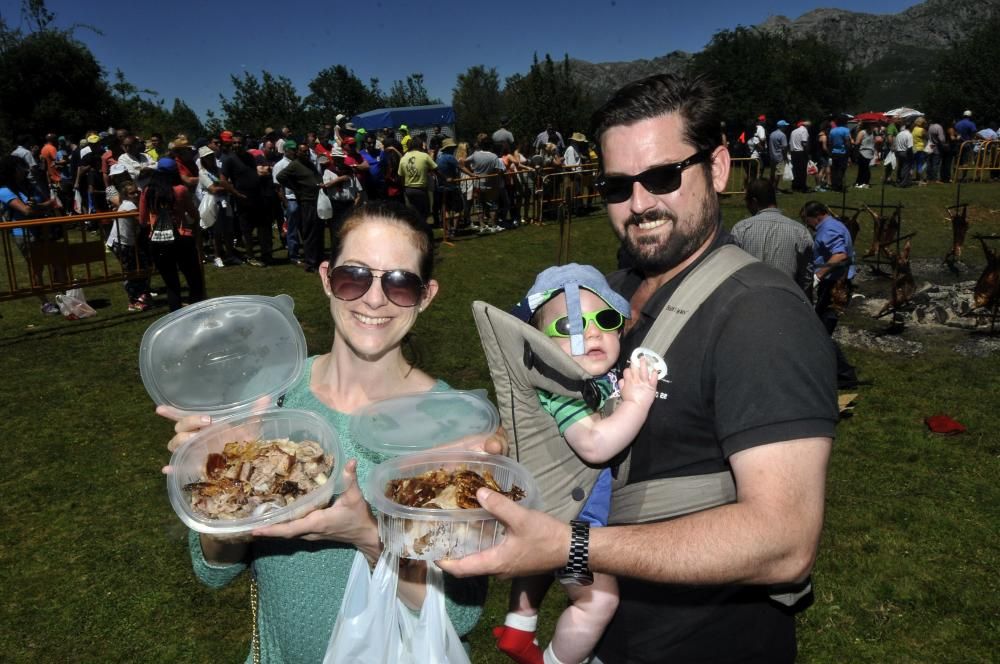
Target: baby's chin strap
[587, 388]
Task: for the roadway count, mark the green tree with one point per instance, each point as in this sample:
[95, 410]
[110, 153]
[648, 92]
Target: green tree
[546, 94]
[769, 72]
[964, 77]
[410, 92]
[270, 101]
[338, 90]
[49, 81]
[477, 101]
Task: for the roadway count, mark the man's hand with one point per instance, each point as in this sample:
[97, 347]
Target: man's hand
[534, 543]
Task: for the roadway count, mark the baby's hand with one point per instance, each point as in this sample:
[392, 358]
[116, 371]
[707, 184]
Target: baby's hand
[638, 383]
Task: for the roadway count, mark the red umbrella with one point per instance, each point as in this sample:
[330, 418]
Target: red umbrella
[870, 116]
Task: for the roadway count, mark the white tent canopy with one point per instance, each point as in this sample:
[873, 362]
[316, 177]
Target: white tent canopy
[904, 112]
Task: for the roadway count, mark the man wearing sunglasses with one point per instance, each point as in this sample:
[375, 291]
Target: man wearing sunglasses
[739, 435]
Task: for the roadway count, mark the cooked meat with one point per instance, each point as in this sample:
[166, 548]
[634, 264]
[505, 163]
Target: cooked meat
[442, 489]
[986, 292]
[254, 477]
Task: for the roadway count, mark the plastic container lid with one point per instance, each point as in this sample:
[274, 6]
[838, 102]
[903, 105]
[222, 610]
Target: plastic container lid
[416, 422]
[223, 355]
[432, 534]
[188, 464]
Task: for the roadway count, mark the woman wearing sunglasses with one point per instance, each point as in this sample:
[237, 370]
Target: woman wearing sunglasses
[574, 306]
[377, 283]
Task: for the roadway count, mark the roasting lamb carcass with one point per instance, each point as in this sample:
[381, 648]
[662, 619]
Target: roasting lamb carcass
[986, 293]
[903, 284]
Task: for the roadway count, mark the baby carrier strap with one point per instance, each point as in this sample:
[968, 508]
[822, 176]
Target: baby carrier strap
[523, 360]
[664, 498]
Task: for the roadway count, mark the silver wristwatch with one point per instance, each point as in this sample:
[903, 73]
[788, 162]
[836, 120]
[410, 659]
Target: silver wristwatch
[577, 570]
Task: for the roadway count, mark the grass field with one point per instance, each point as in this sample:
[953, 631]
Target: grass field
[93, 560]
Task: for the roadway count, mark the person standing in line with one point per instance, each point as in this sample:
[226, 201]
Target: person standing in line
[798, 146]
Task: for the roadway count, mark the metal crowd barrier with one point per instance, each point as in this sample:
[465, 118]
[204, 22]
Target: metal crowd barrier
[741, 171]
[977, 160]
[57, 253]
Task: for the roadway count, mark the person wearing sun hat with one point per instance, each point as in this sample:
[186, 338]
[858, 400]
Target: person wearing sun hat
[576, 308]
[404, 140]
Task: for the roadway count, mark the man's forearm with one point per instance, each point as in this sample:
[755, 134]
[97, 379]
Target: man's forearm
[770, 535]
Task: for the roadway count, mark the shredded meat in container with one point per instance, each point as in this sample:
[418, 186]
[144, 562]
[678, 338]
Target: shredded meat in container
[446, 490]
[251, 478]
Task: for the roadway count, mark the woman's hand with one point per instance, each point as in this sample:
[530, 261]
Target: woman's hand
[494, 443]
[185, 427]
[348, 520]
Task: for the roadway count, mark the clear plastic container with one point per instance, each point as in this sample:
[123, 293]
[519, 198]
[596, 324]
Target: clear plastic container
[226, 357]
[433, 534]
[417, 422]
[187, 465]
[223, 356]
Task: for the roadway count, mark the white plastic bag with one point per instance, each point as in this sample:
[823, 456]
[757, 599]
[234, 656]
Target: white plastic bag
[430, 638]
[786, 174]
[73, 304]
[890, 160]
[207, 210]
[367, 627]
[324, 208]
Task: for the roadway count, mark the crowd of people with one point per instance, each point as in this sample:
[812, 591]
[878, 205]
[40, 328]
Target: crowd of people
[236, 194]
[705, 553]
[912, 149]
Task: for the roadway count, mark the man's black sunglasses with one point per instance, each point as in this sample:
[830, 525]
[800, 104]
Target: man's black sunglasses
[658, 180]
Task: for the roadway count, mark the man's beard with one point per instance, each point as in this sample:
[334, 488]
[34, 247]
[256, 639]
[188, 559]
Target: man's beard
[652, 255]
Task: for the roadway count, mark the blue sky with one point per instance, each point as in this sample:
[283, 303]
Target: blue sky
[186, 49]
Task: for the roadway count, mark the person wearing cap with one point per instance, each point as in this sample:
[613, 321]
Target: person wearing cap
[356, 163]
[87, 179]
[966, 129]
[166, 197]
[290, 205]
[301, 177]
[576, 308]
[758, 142]
[777, 148]
[747, 400]
[404, 138]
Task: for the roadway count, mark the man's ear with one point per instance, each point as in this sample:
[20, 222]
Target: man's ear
[720, 169]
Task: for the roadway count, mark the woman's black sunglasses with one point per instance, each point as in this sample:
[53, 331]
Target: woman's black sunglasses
[350, 282]
[657, 180]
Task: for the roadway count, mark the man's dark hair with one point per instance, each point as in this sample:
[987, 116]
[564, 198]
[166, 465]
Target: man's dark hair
[25, 140]
[692, 98]
[760, 190]
[416, 143]
[814, 209]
